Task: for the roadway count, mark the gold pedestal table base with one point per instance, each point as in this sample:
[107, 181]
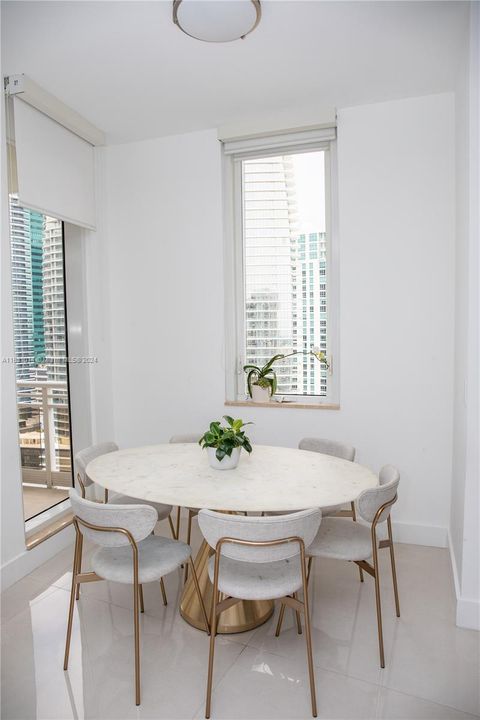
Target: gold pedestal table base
[245, 615]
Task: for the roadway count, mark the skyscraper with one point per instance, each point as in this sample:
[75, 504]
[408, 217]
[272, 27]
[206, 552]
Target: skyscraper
[269, 226]
[39, 334]
[26, 232]
[311, 310]
[285, 278]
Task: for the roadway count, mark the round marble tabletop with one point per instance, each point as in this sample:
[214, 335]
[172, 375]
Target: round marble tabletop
[271, 478]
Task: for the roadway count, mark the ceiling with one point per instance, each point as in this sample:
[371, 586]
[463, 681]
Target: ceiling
[131, 72]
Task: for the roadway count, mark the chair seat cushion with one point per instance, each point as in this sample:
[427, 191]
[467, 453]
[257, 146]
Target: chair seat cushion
[331, 510]
[162, 510]
[343, 539]
[257, 581]
[157, 556]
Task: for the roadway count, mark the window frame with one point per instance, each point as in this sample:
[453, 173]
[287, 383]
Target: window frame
[234, 265]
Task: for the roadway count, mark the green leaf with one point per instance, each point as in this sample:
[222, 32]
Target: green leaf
[247, 445]
[251, 367]
[271, 361]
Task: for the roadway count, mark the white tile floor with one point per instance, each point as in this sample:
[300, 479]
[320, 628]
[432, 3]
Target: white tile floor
[432, 667]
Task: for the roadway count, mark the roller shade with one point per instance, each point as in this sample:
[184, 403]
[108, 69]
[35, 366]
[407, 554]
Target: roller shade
[301, 140]
[55, 167]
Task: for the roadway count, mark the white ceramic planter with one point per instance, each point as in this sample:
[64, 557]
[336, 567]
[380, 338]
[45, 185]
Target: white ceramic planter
[260, 394]
[227, 463]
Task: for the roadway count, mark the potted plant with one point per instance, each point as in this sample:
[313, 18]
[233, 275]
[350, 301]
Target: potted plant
[262, 381]
[224, 443]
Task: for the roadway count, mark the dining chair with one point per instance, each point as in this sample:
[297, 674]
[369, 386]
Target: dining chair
[336, 449]
[83, 457]
[127, 552]
[340, 539]
[192, 512]
[81, 460]
[259, 558]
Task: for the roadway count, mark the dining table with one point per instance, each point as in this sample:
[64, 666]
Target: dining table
[270, 478]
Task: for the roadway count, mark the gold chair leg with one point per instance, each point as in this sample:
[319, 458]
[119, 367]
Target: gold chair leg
[136, 627]
[72, 601]
[378, 603]
[280, 620]
[189, 537]
[310, 561]
[213, 632]
[392, 562]
[172, 529]
[354, 517]
[297, 614]
[79, 563]
[308, 638]
[177, 530]
[199, 594]
[164, 594]
[140, 593]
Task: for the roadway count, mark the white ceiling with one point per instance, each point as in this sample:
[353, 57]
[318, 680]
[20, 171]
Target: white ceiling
[131, 72]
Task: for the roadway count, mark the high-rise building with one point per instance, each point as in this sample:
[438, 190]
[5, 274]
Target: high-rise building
[285, 278]
[311, 310]
[26, 231]
[54, 300]
[39, 333]
[269, 225]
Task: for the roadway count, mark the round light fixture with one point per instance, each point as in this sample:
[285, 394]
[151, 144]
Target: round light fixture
[215, 21]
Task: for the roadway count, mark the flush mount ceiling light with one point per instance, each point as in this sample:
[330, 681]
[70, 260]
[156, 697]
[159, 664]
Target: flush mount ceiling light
[217, 21]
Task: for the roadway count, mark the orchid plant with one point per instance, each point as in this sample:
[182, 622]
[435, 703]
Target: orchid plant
[266, 376]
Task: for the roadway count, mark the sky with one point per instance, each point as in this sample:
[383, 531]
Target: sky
[309, 169]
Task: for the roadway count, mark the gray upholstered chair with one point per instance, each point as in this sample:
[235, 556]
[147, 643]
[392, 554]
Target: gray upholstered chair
[127, 553]
[328, 447]
[258, 558]
[83, 457]
[341, 539]
[336, 449]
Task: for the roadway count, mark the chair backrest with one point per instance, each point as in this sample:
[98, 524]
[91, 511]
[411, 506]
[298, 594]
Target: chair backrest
[83, 457]
[187, 438]
[303, 524]
[139, 520]
[328, 447]
[369, 501]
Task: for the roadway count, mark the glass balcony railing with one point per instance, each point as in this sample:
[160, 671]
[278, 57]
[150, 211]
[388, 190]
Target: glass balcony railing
[44, 432]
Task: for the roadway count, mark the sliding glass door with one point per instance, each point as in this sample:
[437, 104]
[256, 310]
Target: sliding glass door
[41, 357]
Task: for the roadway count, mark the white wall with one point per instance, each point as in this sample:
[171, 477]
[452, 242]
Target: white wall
[164, 245]
[464, 521]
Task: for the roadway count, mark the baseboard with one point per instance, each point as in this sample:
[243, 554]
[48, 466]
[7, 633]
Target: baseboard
[468, 609]
[29, 560]
[468, 613]
[430, 535]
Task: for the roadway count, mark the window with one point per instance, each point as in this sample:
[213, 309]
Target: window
[281, 238]
[41, 369]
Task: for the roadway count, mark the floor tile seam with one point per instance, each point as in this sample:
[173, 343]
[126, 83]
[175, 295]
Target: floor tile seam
[428, 700]
[220, 680]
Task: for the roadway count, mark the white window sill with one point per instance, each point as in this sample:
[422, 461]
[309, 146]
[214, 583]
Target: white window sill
[310, 404]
